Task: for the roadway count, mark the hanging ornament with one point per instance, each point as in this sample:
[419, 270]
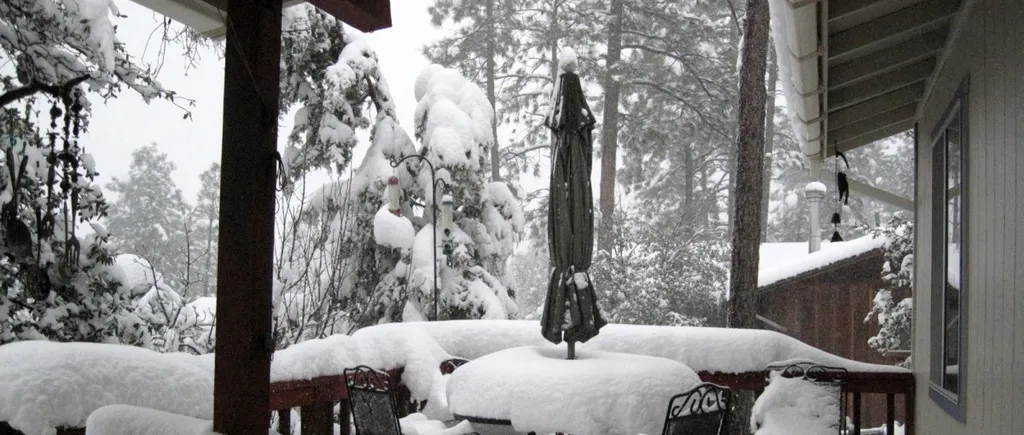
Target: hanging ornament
[842, 196]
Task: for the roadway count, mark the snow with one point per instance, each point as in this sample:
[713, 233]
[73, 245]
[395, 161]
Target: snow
[953, 265]
[493, 308]
[47, 385]
[781, 261]
[815, 186]
[446, 100]
[393, 231]
[581, 279]
[567, 62]
[795, 406]
[44, 385]
[538, 390]
[423, 258]
[411, 314]
[135, 273]
[420, 88]
[313, 358]
[133, 420]
[419, 424]
[202, 311]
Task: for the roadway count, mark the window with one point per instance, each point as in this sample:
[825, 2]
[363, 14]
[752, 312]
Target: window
[949, 214]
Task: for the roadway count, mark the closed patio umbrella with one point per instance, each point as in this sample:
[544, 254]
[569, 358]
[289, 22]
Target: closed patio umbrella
[570, 309]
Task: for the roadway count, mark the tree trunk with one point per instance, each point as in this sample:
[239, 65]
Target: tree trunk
[610, 125]
[750, 158]
[491, 74]
[769, 142]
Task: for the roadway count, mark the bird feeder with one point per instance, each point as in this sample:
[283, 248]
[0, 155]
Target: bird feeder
[394, 196]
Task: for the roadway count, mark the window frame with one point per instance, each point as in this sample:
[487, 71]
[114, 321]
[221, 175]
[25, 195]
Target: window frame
[952, 402]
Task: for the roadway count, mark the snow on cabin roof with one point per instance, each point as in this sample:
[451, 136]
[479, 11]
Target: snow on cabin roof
[780, 261]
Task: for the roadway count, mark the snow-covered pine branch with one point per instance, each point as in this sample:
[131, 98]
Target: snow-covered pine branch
[53, 43]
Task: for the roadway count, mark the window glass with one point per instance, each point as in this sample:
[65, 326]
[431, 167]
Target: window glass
[953, 238]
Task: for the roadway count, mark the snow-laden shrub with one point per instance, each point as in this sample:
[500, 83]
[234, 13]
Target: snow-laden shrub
[893, 304]
[57, 283]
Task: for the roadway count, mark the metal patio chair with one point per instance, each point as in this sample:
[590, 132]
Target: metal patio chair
[372, 404]
[704, 410]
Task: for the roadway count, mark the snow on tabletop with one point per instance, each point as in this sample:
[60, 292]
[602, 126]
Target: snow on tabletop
[393, 231]
[538, 390]
[133, 420]
[795, 406]
[780, 261]
[46, 385]
[815, 186]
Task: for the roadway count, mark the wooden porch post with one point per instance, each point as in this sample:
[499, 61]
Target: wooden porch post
[248, 178]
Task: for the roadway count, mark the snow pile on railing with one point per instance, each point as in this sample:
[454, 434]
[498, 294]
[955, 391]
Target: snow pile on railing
[796, 406]
[44, 385]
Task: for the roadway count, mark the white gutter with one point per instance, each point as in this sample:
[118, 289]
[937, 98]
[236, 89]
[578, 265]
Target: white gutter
[197, 14]
[795, 28]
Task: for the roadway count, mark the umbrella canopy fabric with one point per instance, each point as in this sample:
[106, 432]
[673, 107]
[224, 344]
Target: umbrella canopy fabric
[570, 309]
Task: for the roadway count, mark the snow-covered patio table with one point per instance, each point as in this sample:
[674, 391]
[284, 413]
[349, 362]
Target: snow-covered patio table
[535, 389]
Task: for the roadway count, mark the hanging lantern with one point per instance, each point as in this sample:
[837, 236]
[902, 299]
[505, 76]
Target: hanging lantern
[394, 196]
[446, 224]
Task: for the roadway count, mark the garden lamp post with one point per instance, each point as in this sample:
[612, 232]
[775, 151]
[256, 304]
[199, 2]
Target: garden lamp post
[447, 211]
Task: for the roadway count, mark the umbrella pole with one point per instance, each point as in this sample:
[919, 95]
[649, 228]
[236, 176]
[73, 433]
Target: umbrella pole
[572, 350]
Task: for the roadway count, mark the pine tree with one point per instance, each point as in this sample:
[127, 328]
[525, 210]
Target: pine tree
[453, 121]
[207, 213]
[527, 36]
[149, 218]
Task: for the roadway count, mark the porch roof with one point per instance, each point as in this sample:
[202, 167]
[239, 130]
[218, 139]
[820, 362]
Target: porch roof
[208, 16]
[857, 71]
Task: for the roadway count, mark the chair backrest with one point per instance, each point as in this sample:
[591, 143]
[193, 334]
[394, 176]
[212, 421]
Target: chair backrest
[703, 410]
[373, 407]
[831, 378]
[449, 365]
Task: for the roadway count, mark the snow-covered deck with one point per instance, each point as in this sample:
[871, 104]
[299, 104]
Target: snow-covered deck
[48, 385]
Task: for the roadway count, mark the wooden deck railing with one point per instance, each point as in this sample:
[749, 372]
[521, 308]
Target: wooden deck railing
[317, 398]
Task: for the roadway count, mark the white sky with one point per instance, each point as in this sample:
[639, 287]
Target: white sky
[126, 123]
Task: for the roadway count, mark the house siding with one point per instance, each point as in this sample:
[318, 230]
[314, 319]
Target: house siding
[989, 50]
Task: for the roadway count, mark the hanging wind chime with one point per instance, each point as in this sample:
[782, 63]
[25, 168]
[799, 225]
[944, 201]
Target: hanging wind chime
[842, 196]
